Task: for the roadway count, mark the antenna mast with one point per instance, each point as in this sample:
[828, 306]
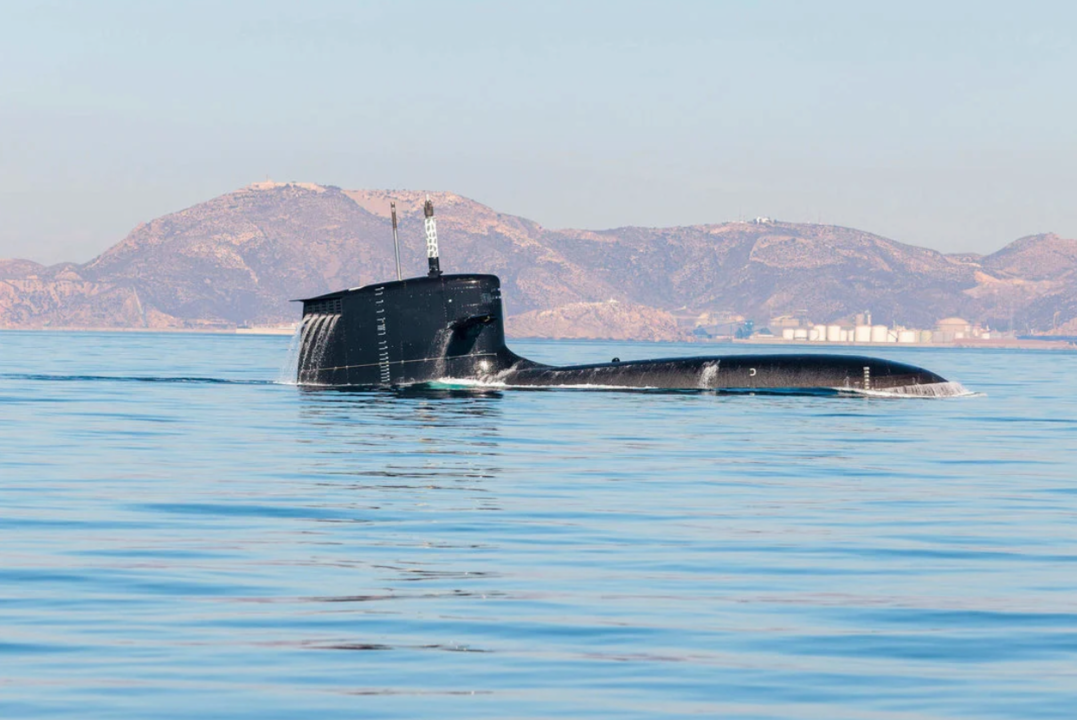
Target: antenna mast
[431, 239]
[396, 241]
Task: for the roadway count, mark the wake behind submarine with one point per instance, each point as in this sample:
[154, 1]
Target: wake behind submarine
[445, 328]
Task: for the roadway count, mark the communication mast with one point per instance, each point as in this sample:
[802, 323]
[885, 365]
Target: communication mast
[431, 239]
[396, 241]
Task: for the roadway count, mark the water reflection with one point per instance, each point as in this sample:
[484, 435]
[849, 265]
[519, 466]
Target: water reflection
[412, 458]
[448, 437]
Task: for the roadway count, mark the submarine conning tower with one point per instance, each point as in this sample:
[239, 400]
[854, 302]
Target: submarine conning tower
[408, 331]
[404, 332]
[439, 326]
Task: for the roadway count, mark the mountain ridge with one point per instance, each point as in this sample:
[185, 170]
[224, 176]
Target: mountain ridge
[240, 257]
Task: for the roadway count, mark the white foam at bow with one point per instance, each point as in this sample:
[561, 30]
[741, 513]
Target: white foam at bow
[927, 390]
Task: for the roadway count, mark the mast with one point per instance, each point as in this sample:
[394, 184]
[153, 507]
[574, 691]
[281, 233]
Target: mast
[396, 241]
[431, 239]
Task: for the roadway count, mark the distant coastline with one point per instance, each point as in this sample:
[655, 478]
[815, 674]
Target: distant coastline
[999, 343]
[198, 331]
[972, 343]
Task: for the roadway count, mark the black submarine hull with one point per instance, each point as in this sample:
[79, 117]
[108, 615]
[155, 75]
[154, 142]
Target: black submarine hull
[734, 372]
[451, 327]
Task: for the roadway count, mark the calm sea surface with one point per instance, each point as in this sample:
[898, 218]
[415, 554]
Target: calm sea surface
[181, 536]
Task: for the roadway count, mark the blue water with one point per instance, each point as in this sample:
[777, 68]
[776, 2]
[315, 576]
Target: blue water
[181, 537]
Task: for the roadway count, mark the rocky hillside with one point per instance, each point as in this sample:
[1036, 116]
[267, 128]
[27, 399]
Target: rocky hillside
[609, 320]
[239, 258]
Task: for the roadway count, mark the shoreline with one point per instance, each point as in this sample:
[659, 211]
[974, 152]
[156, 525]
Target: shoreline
[201, 331]
[995, 343]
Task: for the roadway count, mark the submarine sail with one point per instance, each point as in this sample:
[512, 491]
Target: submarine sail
[451, 326]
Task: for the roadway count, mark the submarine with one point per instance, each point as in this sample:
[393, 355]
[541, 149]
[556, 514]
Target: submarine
[446, 328]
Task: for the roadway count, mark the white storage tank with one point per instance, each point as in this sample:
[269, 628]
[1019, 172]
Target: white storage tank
[833, 333]
[862, 334]
[878, 333]
[787, 333]
[818, 332]
[800, 334]
[908, 336]
[845, 336]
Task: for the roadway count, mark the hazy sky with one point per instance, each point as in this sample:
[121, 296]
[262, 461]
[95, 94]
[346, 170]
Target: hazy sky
[946, 124]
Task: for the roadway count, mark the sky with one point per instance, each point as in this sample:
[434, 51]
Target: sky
[951, 125]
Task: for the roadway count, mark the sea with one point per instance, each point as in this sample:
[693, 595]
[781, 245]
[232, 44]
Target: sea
[186, 534]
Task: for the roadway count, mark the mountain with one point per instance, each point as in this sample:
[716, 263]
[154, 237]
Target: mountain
[1036, 277]
[238, 259]
[611, 320]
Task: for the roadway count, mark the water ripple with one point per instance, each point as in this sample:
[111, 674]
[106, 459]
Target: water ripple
[185, 537]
